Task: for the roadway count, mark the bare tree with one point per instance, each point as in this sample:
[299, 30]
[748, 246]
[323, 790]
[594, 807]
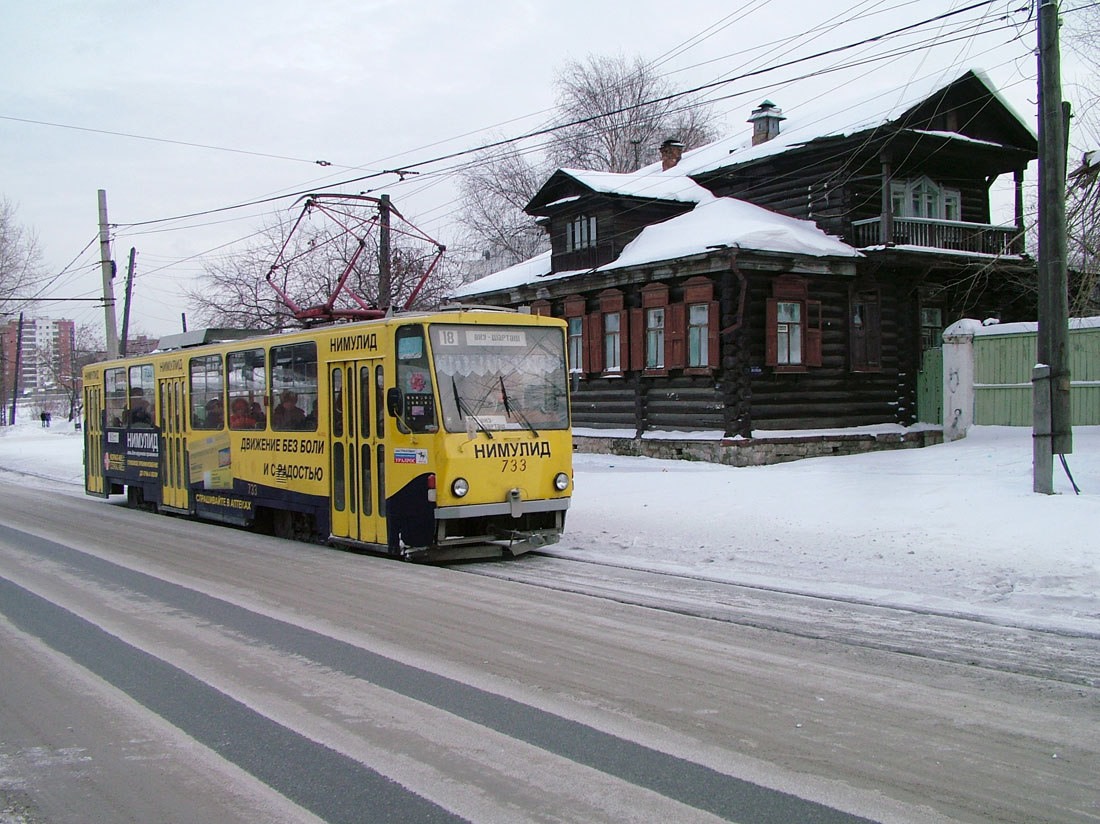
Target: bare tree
[1081, 35]
[1083, 234]
[617, 128]
[20, 257]
[494, 190]
[608, 123]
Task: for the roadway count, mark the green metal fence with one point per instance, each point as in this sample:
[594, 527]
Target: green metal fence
[1002, 376]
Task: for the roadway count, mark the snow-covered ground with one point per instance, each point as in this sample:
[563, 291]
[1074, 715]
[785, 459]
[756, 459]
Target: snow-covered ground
[952, 528]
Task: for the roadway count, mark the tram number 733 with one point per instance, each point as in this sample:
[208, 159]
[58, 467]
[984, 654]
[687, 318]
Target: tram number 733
[432, 436]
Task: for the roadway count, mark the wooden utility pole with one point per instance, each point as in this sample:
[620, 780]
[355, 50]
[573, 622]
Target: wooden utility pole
[107, 267]
[384, 298]
[1051, 380]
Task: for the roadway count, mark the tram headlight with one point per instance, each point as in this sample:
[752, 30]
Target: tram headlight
[460, 487]
[561, 482]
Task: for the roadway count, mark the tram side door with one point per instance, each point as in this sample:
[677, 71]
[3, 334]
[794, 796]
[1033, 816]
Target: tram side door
[94, 481]
[173, 448]
[356, 460]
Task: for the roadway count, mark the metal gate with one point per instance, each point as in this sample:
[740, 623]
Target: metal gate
[930, 387]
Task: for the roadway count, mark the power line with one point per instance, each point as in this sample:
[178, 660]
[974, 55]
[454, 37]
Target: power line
[162, 140]
[580, 121]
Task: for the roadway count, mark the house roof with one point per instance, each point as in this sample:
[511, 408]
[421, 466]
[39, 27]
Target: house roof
[566, 185]
[894, 108]
[717, 222]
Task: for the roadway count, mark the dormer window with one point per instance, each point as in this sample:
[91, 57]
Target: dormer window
[925, 198]
[580, 233]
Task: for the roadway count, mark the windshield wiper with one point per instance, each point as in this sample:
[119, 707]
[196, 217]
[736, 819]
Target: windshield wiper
[464, 407]
[508, 408]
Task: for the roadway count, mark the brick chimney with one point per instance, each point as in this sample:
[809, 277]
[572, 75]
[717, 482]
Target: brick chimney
[765, 121]
[671, 152]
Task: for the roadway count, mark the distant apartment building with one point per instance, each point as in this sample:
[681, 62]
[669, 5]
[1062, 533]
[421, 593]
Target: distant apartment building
[45, 357]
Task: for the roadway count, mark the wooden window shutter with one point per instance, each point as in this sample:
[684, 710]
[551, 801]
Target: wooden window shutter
[771, 333]
[637, 340]
[593, 342]
[541, 307]
[811, 354]
[713, 348]
[676, 336]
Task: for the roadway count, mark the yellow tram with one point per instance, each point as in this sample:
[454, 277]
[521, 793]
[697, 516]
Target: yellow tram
[427, 436]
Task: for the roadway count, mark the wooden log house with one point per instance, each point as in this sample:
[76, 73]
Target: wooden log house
[691, 308]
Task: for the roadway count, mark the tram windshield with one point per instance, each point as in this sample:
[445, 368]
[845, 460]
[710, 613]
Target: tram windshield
[500, 377]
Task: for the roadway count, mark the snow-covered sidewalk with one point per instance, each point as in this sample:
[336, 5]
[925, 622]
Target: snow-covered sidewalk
[951, 528]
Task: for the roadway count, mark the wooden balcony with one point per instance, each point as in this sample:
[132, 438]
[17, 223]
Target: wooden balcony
[981, 238]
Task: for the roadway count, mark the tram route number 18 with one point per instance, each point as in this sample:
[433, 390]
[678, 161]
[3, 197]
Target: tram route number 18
[448, 337]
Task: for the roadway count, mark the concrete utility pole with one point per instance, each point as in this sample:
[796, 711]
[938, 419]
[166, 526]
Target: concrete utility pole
[384, 253]
[126, 304]
[1051, 380]
[107, 267]
[18, 366]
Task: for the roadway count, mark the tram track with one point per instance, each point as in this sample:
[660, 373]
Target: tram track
[1067, 657]
[961, 639]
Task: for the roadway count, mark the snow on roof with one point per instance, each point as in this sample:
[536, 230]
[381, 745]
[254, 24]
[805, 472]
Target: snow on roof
[651, 182]
[526, 272]
[728, 222]
[718, 222]
[829, 117]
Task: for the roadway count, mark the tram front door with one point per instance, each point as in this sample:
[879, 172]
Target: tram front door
[357, 451]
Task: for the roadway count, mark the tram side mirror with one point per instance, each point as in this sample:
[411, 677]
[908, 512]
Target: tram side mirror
[394, 404]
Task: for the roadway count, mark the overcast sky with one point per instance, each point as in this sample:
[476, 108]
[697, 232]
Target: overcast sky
[369, 86]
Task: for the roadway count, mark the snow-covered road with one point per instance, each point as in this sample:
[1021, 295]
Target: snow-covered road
[953, 528]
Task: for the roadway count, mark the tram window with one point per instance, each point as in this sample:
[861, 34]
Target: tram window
[116, 384]
[379, 404]
[142, 396]
[415, 381]
[338, 476]
[500, 377]
[207, 394]
[246, 373]
[338, 404]
[350, 411]
[294, 387]
[364, 481]
[364, 400]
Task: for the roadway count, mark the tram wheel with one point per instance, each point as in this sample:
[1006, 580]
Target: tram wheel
[294, 526]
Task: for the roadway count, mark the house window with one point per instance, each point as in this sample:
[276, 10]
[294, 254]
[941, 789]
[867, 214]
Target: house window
[789, 333]
[952, 205]
[612, 342]
[580, 233]
[576, 344]
[793, 326]
[655, 339]
[866, 332]
[925, 198]
[931, 328]
[698, 334]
